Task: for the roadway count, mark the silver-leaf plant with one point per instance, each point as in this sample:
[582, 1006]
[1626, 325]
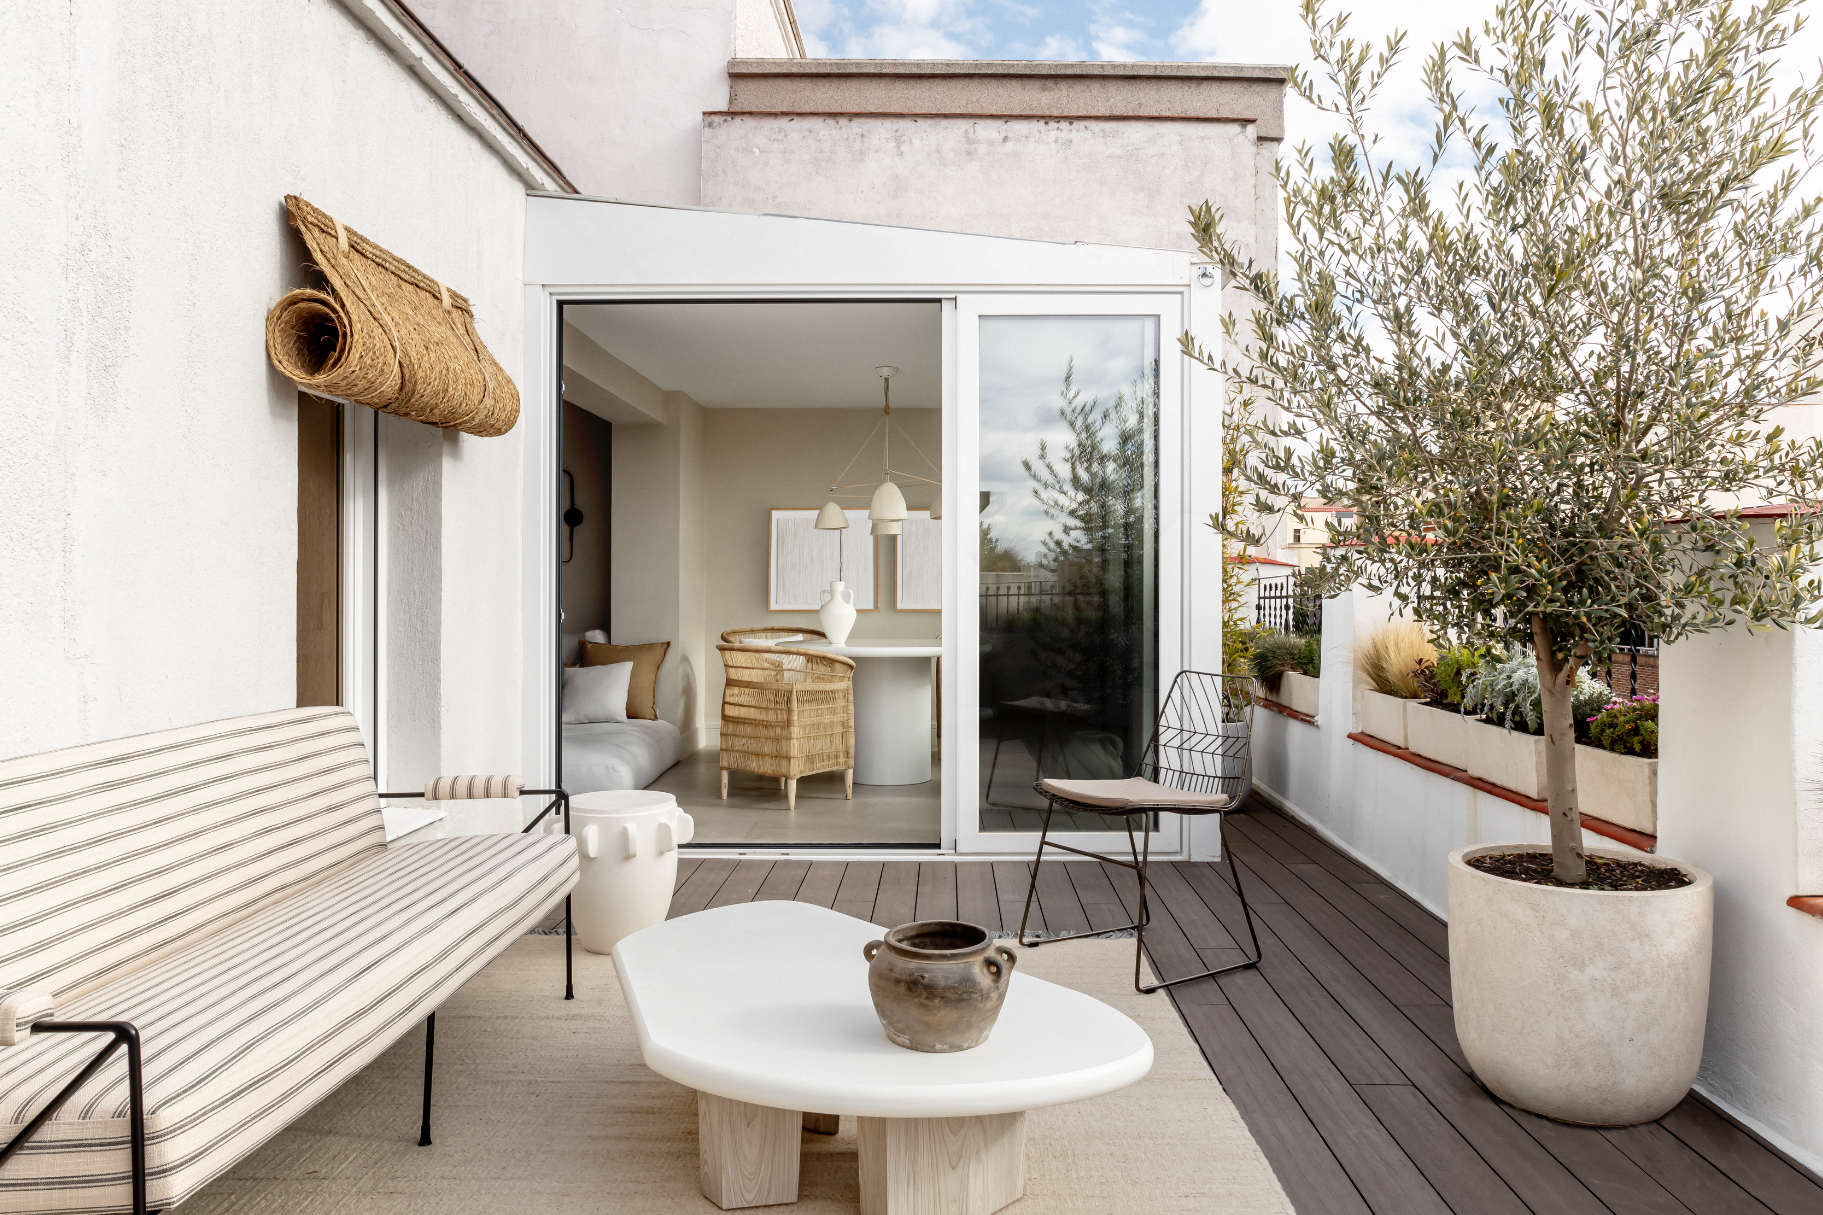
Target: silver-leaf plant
[1545, 386]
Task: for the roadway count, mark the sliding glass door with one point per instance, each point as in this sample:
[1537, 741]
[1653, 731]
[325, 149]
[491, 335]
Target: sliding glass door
[1063, 403]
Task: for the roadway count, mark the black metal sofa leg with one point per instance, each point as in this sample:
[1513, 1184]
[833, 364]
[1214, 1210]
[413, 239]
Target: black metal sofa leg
[430, 1048]
[120, 1033]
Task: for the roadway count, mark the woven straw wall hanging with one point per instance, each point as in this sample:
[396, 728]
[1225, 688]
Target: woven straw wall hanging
[386, 335]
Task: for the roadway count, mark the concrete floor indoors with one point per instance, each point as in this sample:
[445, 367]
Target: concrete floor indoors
[755, 811]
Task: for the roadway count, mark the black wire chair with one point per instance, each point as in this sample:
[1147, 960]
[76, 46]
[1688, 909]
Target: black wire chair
[1197, 762]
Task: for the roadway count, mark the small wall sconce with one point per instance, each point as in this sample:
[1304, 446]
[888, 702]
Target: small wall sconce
[572, 518]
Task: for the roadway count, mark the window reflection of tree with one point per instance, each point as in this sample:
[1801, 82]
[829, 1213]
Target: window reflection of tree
[1091, 635]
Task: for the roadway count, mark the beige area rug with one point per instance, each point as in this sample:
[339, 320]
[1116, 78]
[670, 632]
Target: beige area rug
[544, 1107]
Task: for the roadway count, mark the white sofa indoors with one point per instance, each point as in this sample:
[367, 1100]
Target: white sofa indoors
[221, 898]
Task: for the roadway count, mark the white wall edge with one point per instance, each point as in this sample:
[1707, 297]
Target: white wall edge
[1807, 1161]
[398, 36]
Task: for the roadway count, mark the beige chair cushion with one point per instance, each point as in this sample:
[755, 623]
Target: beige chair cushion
[1133, 791]
[642, 689]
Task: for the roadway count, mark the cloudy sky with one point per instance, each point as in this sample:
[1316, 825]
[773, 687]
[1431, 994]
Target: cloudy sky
[1230, 31]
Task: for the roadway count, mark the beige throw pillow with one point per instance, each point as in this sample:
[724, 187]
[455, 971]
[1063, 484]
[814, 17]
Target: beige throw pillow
[642, 689]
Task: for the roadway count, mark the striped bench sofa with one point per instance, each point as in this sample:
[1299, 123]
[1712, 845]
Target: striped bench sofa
[226, 890]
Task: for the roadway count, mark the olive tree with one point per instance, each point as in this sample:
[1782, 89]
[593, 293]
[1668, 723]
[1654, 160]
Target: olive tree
[1540, 362]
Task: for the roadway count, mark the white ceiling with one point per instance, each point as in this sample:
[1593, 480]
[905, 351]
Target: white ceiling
[776, 356]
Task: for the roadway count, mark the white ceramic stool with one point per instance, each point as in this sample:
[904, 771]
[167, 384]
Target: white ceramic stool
[627, 840]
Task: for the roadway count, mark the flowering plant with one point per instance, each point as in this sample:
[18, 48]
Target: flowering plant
[1628, 726]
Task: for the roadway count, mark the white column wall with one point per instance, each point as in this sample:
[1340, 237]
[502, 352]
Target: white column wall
[1738, 723]
[148, 479]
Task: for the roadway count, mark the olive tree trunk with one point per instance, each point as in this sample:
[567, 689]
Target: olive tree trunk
[1556, 684]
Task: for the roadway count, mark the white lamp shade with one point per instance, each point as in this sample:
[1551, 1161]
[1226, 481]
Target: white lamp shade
[831, 518]
[888, 527]
[888, 504]
[936, 506]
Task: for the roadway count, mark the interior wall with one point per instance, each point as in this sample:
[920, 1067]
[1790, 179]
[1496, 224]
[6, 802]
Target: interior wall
[655, 564]
[587, 442]
[759, 459]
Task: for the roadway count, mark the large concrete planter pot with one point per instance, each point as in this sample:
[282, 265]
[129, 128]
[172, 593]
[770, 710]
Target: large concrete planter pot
[1586, 1006]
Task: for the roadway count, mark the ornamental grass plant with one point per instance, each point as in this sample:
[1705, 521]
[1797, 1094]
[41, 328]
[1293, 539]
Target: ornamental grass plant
[1390, 656]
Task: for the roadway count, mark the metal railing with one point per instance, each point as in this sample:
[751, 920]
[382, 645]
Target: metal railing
[1280, 604]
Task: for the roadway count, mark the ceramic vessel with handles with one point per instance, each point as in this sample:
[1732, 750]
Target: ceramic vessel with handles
[938, 985]
[626, 841]
[838, 612]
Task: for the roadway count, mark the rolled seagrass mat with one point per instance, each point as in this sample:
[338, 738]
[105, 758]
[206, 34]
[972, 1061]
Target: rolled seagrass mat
[386, 335]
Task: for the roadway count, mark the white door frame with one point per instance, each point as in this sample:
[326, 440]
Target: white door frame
[961, 481]
[583, 250]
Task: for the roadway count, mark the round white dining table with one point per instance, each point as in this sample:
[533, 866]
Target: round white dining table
[892, 706]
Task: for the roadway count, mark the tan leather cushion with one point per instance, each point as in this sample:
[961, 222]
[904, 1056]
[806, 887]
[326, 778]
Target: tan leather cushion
[642, 690]
[1119, 794]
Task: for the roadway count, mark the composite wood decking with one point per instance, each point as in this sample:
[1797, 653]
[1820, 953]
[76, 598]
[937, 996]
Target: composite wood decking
[1339, 1050]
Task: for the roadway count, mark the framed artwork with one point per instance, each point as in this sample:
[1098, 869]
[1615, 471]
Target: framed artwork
[918, 581]
[804, 561]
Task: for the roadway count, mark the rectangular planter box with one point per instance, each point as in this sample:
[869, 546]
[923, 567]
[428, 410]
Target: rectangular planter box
[1620, 788]
[1437, 734]
[1506, 757]
[1298, 693]
[1382, 716]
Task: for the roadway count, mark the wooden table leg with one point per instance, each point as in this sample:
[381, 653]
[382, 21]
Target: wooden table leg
[748, 1153]
[960, 1166]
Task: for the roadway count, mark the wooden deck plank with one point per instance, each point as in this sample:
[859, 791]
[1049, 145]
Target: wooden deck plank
[1689, 1178]
[1531, 1172]
[821, 884]
[1199, 924]
[1748, 1163]
[897, 901]
[936, 891]
[694, 895]
[1623, 1186]
[1417, 921]
[743, 884]
[1456, 1170]
[1382, 929]
[686, 865]
[976, 899]
[781, 885]
[1313, 845]
[1063, 911]
[1313, 1179]
[860, 886]
[1362, 951]
[1385, 1175]
[1170, 951]
[1010, 878]
[1438, 1021]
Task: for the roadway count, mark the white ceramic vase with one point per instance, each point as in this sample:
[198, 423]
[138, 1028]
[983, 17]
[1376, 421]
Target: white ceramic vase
[1587, 1006]
[838, 612]
[627, 841]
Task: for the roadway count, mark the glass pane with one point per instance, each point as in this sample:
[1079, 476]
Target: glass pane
[1069, 556]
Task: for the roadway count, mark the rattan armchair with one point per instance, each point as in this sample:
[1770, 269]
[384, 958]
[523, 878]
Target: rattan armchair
[756, 636]
[787, 713]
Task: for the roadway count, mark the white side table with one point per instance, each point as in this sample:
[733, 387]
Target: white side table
[763, 1009]
[892, 706]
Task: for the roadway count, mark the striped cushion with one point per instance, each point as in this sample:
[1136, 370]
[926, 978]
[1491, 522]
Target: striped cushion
[246, 1030]
[458, 788]
[116, 854]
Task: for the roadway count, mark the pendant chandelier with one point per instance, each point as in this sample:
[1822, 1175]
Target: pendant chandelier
[886, 506]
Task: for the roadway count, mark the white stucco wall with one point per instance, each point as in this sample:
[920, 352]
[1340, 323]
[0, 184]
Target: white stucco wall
[1741, 719]
[1101, 180]
[615, 91]
[148, 476]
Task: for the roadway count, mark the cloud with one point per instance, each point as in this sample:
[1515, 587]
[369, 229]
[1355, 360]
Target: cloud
[892, 29]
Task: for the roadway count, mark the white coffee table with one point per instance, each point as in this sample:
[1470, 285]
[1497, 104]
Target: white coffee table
[762, 1008]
